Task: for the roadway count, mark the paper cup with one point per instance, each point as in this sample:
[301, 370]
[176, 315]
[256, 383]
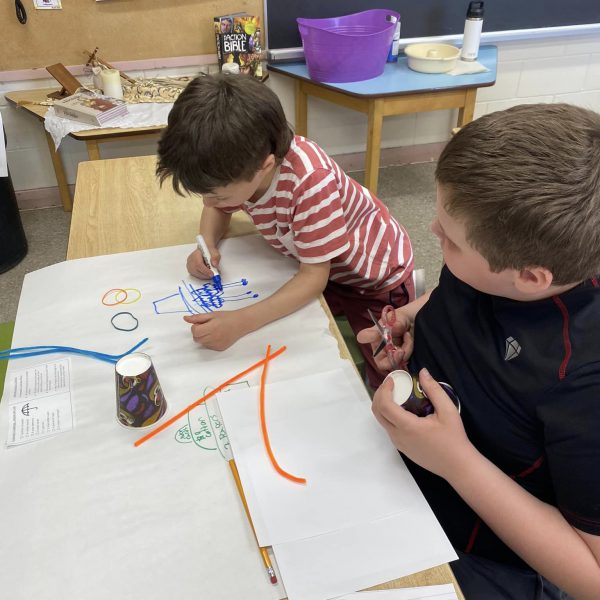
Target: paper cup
[409, 395]
[140, 400]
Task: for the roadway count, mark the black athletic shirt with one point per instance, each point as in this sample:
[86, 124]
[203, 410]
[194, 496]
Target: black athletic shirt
[528, 377]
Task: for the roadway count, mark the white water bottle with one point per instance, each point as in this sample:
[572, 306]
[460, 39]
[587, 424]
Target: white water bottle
[472, 34]
[395, 47]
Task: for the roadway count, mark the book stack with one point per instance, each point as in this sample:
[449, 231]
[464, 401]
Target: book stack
[89, 108]
[238, 44]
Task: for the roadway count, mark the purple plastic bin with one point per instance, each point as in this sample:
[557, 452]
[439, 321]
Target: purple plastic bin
[349, 48]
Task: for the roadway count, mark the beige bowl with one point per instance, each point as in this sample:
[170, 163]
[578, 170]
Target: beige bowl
[431, 58]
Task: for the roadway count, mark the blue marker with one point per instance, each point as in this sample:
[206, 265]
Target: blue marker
[216, 278]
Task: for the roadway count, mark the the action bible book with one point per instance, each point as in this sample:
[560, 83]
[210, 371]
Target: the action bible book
[238, 41]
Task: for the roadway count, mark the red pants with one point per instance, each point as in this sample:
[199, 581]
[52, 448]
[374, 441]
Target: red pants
[350, 302]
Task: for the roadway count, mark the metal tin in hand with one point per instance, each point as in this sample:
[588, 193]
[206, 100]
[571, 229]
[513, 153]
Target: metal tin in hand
[409, 395]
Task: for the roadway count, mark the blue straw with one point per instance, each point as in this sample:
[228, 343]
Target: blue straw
[13, 353]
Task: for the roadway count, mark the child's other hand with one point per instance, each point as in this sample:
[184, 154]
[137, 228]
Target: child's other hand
[197, 267]
[437, 442]
[403, 339]
[217, 330]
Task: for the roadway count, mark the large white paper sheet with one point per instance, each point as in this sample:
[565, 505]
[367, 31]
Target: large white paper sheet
[423, 592]
[327, 566]
[322, 430]
[87, 515]
[360, 519]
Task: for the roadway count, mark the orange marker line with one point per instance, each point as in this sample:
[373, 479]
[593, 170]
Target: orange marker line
[185, 411]
[263, 423]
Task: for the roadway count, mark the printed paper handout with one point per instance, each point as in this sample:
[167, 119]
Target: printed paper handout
[40, 403]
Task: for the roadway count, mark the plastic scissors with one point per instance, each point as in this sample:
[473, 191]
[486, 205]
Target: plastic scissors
[384, 326]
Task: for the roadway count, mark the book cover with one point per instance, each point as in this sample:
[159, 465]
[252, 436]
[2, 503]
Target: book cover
[89, 108]
[238, 41]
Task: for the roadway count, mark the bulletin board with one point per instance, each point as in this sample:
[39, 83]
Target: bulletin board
[122, 29]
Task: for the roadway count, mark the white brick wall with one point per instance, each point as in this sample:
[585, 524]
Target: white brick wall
[563, 69]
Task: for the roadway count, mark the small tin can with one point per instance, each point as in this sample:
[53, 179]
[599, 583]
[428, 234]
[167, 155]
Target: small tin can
[140, 399]
[409, 395]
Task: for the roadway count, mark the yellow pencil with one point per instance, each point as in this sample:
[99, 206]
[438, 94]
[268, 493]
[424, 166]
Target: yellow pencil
[263, 551]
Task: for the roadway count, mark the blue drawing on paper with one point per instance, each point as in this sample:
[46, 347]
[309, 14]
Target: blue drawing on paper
[204, 299]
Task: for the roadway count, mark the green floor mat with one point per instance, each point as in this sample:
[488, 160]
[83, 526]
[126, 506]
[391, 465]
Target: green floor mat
[6, 333]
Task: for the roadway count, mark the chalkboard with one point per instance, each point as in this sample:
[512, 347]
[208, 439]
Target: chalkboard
[426, 18]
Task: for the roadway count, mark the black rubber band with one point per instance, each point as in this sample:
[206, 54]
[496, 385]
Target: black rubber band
[112, 322]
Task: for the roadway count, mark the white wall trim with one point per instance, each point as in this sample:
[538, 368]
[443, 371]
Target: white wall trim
[124, 65]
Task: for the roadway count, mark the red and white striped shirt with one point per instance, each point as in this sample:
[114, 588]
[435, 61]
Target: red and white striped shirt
[315, 212]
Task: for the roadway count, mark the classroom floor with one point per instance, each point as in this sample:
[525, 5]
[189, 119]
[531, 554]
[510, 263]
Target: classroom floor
[408, 191]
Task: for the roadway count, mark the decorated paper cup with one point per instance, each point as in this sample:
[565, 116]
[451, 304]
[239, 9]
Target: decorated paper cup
[409, 395]
[140, 400]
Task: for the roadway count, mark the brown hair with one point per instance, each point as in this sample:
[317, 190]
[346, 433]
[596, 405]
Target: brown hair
[526, 184]
[220, 130]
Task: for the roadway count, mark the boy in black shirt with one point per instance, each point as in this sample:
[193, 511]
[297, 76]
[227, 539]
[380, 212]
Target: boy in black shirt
[514, 327]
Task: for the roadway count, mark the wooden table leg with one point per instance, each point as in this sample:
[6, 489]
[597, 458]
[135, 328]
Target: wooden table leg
[465, 114]
[373, 144]
[93, 149]
[59, 171]
[301, 110]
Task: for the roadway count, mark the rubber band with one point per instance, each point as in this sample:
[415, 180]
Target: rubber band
[112, 321]
[125, 299]
[118, 301]
[263, 425]
[204, 398]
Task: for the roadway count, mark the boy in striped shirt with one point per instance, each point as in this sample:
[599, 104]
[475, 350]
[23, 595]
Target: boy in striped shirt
[227, 138]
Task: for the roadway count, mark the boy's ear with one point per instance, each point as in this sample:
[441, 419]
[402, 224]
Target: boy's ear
[533, 280]
[268, 162]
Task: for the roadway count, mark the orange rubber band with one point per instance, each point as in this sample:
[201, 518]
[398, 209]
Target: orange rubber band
[193, 405]
[263, 423]
[118, 290]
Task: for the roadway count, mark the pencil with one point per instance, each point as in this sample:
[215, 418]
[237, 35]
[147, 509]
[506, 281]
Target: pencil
[263, 551]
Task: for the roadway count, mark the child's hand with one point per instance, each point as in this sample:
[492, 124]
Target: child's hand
[403, 339]
[217, 330]
[197, 267]
[437, 442]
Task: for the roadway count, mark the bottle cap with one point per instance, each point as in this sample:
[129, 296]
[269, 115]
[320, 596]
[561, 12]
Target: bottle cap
[475, 10]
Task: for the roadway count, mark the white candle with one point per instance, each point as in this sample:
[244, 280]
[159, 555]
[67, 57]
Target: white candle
[111, 83]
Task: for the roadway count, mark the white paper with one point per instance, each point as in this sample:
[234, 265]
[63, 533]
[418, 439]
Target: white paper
[355, 558]
[40, 402]
[322, 430]
[163, 520]
[3, 157]
[47, 4]
[434, 592]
